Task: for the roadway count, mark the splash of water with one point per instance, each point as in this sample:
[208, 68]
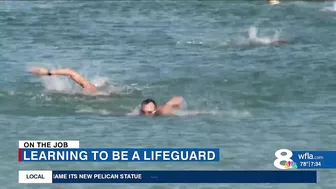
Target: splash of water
[135, 111]
[255, 39]
[252, 32]
[330, 9]
[105, 87]
[65, 85]
[229, 114]
[59, 84]
[95, 111]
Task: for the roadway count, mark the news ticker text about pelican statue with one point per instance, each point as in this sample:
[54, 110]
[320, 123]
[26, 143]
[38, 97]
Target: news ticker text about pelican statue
[293, 166]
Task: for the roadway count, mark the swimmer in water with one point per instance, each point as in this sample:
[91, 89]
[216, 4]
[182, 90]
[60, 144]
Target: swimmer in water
[87, 86]
[275, 40]
[148, 107]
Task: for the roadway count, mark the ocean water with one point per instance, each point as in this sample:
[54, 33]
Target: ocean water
[243, 94]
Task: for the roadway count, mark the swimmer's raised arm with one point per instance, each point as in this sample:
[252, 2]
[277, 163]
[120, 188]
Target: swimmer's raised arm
[173, 103]
[89, 87]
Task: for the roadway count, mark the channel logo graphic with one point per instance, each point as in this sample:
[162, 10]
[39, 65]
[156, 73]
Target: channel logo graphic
[284, 155]
[290, 165]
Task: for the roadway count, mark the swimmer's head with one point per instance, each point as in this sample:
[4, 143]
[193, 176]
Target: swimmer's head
[148, 107]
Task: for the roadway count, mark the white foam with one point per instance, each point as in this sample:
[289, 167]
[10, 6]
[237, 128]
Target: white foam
[239, 114]
[254, 38]
[193, 112]
[95, 111]
[134, 112]
[101, 82]
[232, 113]
[64, 84]
[60, 84]
[330, 9]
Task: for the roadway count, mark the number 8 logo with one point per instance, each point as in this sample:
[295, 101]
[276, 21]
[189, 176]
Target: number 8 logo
[281, 158]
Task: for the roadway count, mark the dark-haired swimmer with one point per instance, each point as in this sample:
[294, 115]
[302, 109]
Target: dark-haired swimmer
[148, 106]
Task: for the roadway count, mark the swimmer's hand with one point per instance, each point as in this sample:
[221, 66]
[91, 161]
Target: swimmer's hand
[39, 71]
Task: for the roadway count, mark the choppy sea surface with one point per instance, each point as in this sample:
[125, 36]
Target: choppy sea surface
[243, 94]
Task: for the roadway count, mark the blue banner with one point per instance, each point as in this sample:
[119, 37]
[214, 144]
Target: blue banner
[315, 159]
[184, 177]
[120, 154]
[287, 159]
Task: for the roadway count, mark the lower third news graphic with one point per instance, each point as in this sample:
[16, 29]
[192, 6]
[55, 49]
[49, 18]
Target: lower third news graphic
[291, 166]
